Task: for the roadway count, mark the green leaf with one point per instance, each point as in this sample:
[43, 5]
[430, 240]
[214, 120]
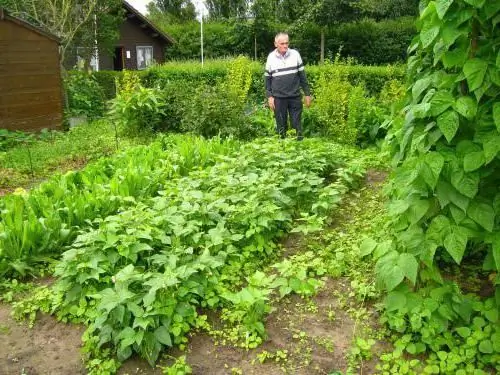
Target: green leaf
[491, 8]
[448, 124]
[496, 114]
[475, 3]
[367, 247]
[491, 315]
[457, 214]
[455, 242]
[483, 214]
[440, 102]
[473, 161]
[450, 34]
[466, 106]
[393, 277]
[442, 7]
[456, 57]
[418, 209]
[395, 301]
[123, 353]
[163, 335]
[409, 266]
[491, 147]
[429, 32]
[434, 161]
[465, 183]
[420, 86]
[464, 331]
[486, 346]
[475, 70]
[496, 250]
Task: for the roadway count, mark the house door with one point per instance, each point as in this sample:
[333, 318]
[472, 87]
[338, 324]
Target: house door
[118, 59]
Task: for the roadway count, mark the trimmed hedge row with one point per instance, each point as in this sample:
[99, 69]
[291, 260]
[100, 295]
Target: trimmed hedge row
[191, 73]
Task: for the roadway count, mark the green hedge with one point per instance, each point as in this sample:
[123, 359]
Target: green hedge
[192, 74]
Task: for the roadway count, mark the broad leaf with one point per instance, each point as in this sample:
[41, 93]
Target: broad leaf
[475, 3]
[163, 335]
[475, 70]
[455, 242]
[464, 331]
[491, 8]
[496, 114]
[408, 263]
[393, 276]
[448, 123]
[486, 346]
[473, 161]
[434, 162]
[442, 7]
[483, 214]
[466, 106]
[430, 31]
[465, 183]
[419, 87]
[441, 101]
[496, 250]
[395, 301]
[491, 146]
[418, 209]
[367, 246]
[457, 214]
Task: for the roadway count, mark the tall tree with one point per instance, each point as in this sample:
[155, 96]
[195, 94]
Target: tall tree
[225, 9]
[173, 11]
[328, 12]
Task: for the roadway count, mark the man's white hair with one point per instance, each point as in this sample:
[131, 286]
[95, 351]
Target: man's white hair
[280, 35]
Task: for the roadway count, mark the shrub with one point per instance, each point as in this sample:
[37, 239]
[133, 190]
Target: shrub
[85, 96]
[140, 110]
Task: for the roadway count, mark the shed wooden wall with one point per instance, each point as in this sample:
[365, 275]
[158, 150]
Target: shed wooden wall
[30, 79]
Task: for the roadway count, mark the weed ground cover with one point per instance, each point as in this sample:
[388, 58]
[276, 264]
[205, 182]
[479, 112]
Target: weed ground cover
[33, 160]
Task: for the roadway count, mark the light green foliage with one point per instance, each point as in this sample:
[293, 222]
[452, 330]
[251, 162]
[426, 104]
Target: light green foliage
[138, 276]
[35, 226]
[139, 110]
[444, 190]
[179, 367]
[331, 91]
[220, 109]
[36, 157]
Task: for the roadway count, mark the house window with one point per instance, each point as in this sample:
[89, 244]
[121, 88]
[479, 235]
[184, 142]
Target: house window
[82, 53]
[144, 56]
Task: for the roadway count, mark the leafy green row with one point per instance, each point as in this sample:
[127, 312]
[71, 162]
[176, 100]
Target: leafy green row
[139, 276]
[34, 227]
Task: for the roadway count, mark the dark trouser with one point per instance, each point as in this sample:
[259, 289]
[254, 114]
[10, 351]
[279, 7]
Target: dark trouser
[283, 107]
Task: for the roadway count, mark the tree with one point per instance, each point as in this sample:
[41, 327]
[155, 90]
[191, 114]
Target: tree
[74, 22]
[225, 9]
[325, 13]
[172, 11]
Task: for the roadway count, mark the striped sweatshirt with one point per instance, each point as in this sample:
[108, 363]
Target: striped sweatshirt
[285, 75]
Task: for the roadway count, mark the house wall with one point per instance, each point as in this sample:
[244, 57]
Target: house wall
[131, 36]
[30, 79]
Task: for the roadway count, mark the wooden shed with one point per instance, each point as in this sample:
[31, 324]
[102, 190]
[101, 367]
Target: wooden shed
[30, 77]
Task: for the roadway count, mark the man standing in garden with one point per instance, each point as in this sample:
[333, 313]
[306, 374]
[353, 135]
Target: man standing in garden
[285, 76]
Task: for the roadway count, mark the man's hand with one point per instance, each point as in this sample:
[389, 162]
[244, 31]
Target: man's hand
[271, 103]
[308, 101]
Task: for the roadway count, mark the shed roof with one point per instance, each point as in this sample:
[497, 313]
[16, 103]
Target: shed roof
[129, 8]
[4, 15]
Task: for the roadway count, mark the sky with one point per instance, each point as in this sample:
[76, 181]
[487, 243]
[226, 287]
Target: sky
[140, 5]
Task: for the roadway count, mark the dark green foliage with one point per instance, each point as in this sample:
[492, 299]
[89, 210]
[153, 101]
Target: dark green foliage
[85, 95]
[371, 42]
